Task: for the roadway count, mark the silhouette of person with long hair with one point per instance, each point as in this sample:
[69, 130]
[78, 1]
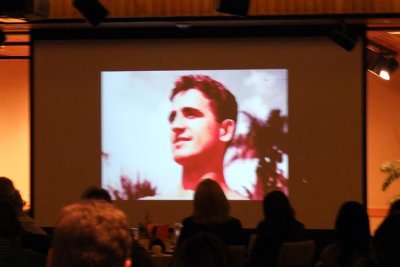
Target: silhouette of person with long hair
[278, 226]
[211, 215]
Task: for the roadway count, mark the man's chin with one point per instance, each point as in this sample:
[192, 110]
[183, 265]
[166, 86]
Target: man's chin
[183, 159]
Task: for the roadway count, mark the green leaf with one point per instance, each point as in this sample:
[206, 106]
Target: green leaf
[392, 169]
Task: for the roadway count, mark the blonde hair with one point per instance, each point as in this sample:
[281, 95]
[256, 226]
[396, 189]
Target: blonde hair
[210, 204]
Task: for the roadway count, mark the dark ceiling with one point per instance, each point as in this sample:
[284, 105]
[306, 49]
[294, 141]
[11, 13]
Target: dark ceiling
[381, 29]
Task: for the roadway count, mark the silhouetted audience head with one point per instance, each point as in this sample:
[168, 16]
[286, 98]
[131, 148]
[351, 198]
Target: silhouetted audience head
[386, 242]
[276, 204]
[200, 251]
[9, 193]
[94, 192]
[9, 224]
[394, 207]
[91, 233]
[31, 236]
[12, 250]
[278, 226]
[352, 222]
[210, 204]
[6, 186]
[352, 230]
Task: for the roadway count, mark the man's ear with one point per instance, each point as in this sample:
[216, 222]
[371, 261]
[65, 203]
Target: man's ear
[128, 263]
[227, 130]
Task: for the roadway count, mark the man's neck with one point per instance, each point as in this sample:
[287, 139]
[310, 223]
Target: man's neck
[191, 177]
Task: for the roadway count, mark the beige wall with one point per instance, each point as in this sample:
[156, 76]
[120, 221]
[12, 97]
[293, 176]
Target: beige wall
[14, 124]
[383, 141]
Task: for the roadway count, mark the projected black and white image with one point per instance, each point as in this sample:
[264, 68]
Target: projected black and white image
[164, 131]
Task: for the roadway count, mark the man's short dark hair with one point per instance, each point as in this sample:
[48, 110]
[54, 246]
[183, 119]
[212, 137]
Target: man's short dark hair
[94, 192]
[223, 102]
[91, 233]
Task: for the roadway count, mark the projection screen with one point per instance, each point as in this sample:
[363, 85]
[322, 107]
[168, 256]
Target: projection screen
[100, 115]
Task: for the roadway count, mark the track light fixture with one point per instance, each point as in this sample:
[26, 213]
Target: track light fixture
[15, 8]
[381, 61]
[2, 38]
[233, 7]
[343, 36]
[92, 10]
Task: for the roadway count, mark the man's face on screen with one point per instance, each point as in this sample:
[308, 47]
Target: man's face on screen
[194, 128]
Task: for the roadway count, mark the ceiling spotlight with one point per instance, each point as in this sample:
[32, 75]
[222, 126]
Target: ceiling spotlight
[388, 65]
[381, 63]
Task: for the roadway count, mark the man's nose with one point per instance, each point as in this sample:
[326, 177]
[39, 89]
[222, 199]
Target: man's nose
[178, 123]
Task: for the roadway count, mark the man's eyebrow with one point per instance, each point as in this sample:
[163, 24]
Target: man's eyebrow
[192, 110]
